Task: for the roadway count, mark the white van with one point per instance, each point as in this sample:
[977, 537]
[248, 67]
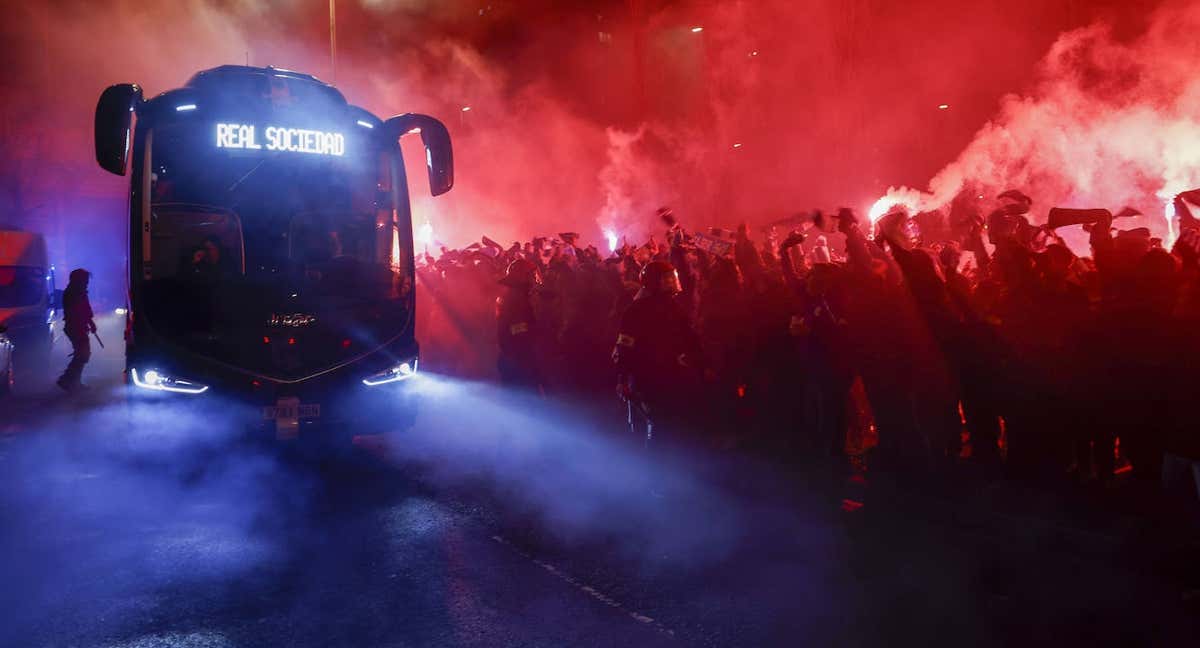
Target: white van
[27, 297]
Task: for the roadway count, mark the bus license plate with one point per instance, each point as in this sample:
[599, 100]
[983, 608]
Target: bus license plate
[291, 411]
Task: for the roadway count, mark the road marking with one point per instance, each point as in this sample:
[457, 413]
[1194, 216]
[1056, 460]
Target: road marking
[586, 589]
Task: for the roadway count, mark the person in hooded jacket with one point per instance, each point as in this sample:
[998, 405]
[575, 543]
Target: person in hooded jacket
[78, 323]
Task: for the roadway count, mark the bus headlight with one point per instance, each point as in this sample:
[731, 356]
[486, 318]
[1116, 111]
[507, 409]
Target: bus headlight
[402, 371]
[153, 380]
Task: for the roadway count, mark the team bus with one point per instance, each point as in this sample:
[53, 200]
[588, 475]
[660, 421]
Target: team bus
[270, 248]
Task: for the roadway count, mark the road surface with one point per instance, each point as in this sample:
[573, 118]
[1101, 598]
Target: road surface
[506, 521]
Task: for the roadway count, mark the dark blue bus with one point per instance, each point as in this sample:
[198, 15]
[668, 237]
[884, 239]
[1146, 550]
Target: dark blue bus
[270, 248]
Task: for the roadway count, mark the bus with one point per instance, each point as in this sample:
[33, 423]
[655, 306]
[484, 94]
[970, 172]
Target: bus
[270, 249]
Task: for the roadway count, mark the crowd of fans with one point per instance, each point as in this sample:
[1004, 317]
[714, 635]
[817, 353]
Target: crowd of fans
[921, 342]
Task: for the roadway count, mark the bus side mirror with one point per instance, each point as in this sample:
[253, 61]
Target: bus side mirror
[439, 154]
[114, 114]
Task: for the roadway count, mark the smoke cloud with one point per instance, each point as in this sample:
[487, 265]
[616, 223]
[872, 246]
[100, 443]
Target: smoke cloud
[580, 476]
[589, 117]
[1109, 123]
[98, 502]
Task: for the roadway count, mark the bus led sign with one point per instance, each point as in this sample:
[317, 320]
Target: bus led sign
[276, 138]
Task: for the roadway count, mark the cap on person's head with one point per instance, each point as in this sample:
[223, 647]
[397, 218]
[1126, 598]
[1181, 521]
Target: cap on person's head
[1139, 233]
[1132, 242]
[78, 275]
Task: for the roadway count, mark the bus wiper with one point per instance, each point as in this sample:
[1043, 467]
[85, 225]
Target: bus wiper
[248, 173]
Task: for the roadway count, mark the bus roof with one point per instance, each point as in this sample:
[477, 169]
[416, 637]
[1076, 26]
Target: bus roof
[225, 71]
[235, 91]
[215, 79]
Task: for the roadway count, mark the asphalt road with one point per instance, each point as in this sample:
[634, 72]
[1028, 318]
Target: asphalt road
[504, 521]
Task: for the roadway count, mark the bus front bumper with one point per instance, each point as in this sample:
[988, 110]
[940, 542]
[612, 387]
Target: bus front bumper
[330, 409]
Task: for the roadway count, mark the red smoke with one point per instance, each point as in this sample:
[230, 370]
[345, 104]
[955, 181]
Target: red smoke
[588, 116]
[1109, 123]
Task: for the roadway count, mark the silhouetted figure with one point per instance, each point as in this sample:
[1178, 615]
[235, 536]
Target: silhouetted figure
[515, 327]
[658, 354]
[77, 324]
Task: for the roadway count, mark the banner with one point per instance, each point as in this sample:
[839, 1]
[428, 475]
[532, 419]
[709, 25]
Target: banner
[712, 244]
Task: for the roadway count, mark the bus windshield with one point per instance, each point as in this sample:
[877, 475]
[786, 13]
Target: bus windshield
[316, 221]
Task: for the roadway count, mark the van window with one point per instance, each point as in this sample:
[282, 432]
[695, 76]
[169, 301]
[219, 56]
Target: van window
[21, 286]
